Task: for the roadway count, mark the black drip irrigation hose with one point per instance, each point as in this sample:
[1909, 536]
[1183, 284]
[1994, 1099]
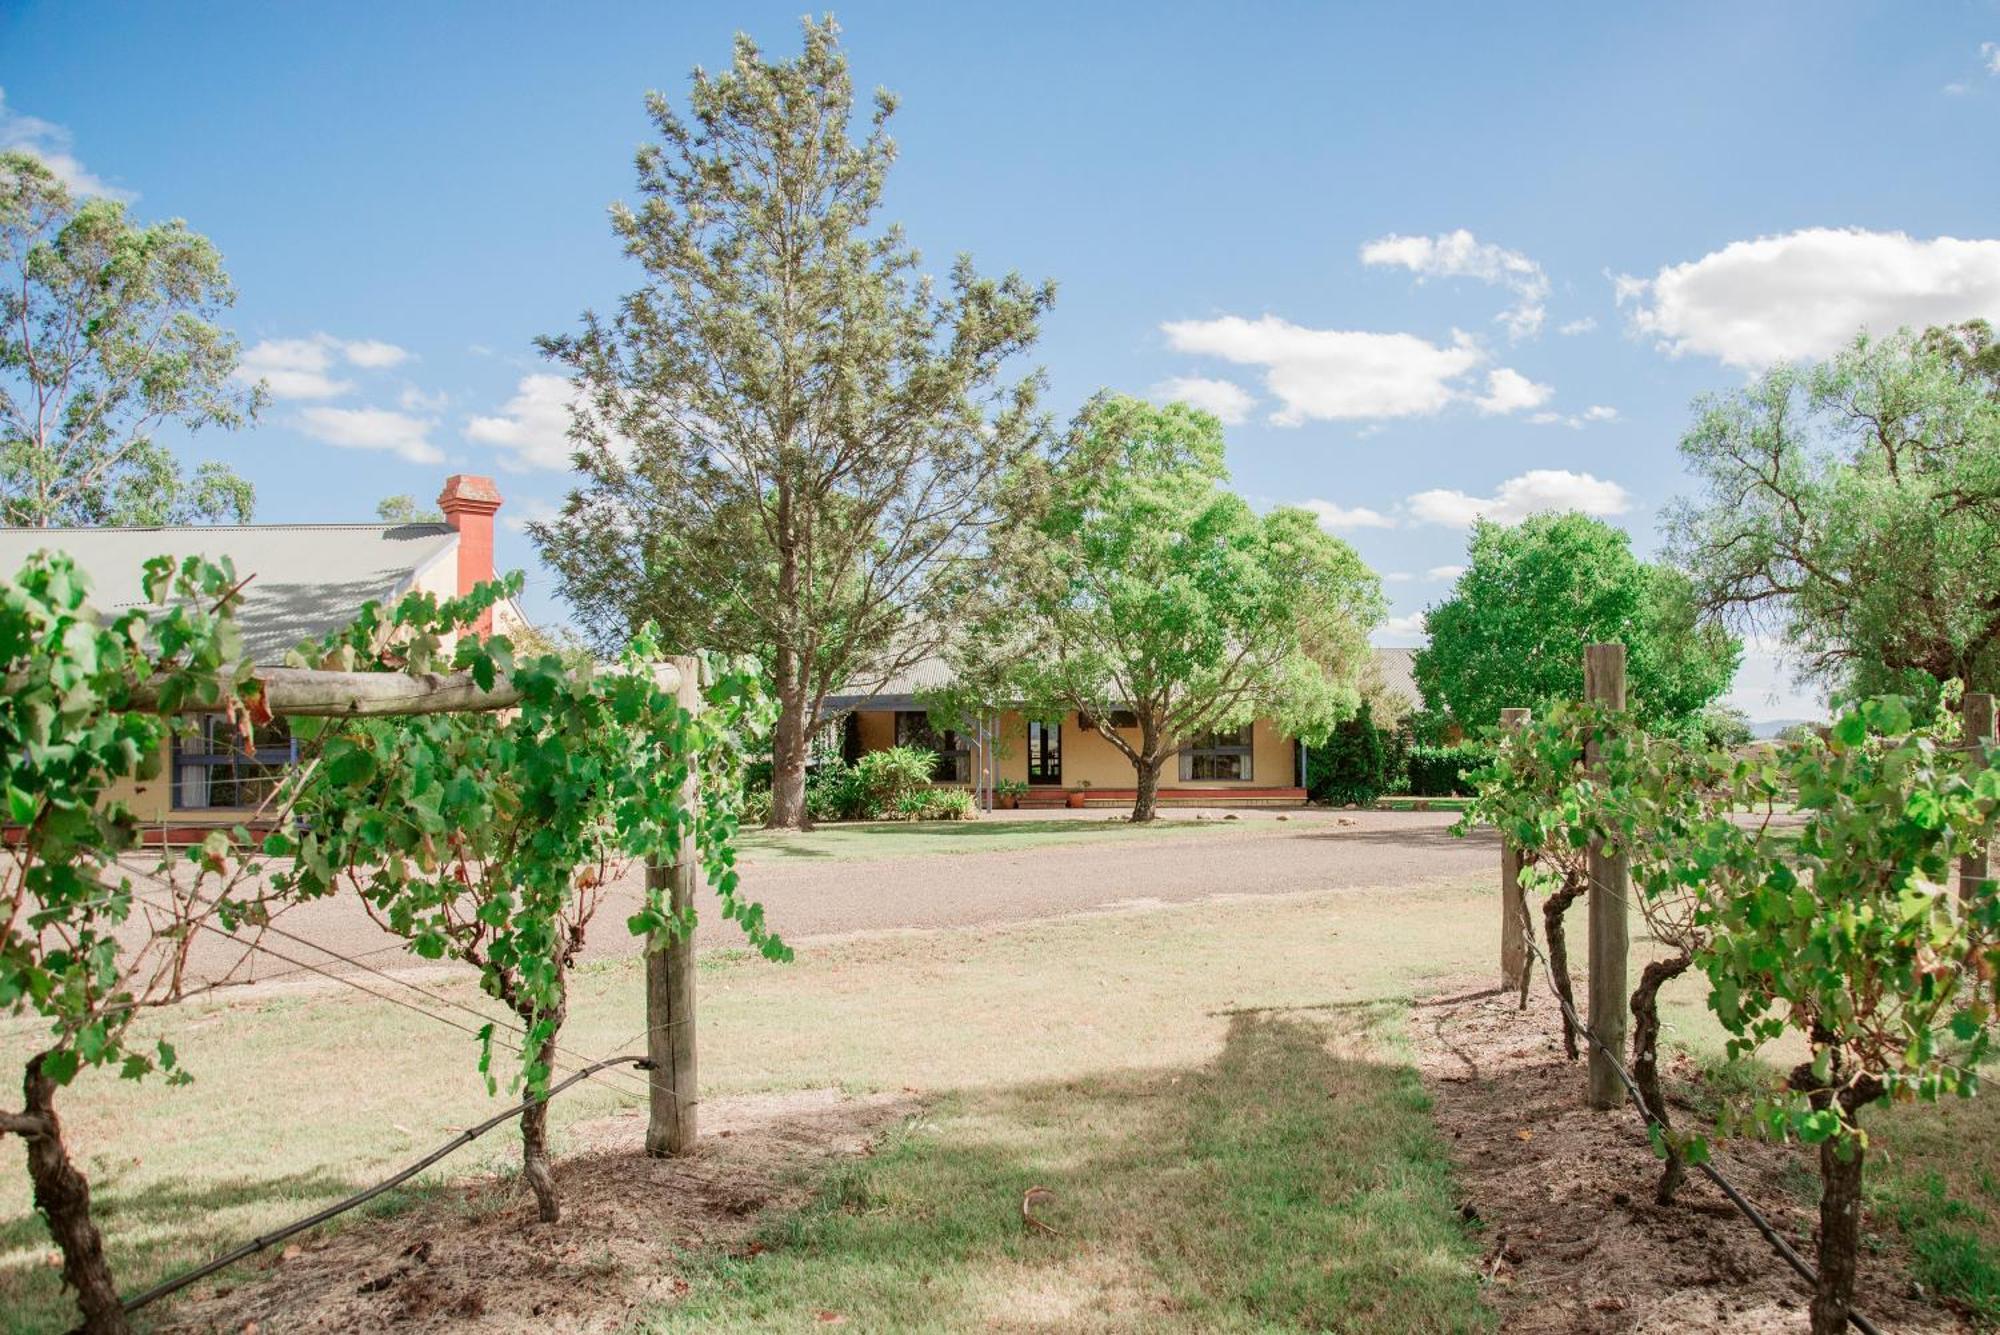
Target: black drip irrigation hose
[463, 1138]
[1798, 1263]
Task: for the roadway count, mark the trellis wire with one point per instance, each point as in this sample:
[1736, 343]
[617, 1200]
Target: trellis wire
[1784, 1249]
[463, 1138]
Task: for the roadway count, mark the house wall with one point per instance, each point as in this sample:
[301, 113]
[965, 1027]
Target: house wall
[1090, 755]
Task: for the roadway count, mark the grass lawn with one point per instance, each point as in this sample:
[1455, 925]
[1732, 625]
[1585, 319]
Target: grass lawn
[909, 839]
[1293, 1183]
[1228, 1144]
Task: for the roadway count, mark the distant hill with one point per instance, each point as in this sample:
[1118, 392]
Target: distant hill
[1771, 727]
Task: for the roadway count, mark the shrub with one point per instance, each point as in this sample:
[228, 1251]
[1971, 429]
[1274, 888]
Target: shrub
[1439, 771]
[832, 793]
[933, 804]
[1353, 765]
[756, 806]
[885, 778]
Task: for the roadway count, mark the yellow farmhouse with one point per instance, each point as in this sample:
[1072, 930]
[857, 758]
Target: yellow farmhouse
[1067, 761]
[304, 580]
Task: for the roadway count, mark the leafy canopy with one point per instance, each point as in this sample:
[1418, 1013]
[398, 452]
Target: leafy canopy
[108, 333]
[1854, 505]
[1512, 632]
[1130, 577]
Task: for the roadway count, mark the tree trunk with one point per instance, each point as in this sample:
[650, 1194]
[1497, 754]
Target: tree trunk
[1646, 1061]
[535, 1131]
[1146, 805]
[1839, 1234]
[62, 1196]
[791, 745]
[1552, 929]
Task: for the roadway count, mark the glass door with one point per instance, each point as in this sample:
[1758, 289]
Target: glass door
[1044, 753]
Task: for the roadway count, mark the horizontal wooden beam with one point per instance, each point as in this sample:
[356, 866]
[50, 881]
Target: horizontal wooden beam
[313, 693]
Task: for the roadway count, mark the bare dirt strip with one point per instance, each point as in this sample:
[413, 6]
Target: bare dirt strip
[1564, 1195]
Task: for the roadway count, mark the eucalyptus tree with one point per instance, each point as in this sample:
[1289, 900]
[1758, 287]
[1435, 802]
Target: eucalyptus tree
[789, 439]
[1853, 507]
[107, 334]
[1129, 578]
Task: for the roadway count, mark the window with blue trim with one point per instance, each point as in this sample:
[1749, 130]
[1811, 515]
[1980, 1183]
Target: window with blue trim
[213, 772]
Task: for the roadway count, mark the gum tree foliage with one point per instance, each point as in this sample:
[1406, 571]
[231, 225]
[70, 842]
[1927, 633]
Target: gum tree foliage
[89, 943]
[489, 837]
[107, 334]
[789, 439]
[403, 508]
[1854, 507]
[1511, 633]
[1843, 929]
[1129, 577]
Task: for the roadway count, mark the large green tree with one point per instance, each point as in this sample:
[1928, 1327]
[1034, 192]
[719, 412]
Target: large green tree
[1853, 507]
[1511, 634]
[108, 333]
[789, 440]
[1128, 577]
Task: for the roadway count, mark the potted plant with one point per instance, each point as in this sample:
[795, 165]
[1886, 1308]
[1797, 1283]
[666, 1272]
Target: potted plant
[1081, 795]
[1007, 793]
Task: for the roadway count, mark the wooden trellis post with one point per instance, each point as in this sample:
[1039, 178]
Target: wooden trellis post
[1513, 903]
[670, 1125]
[1976, 866]
[1610, 894]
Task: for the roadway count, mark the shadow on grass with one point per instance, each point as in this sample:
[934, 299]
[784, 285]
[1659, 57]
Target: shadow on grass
[1295, 1183]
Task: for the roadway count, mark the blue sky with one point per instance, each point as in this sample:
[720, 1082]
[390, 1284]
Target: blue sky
[1428, 262]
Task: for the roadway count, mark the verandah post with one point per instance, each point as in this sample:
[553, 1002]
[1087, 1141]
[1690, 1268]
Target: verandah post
[1513, 903]
[1976, 866]
[670, 1126]
[1604, 684]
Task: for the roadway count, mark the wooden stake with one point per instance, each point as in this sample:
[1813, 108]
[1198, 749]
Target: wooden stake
[1513, 903]
[1610, 892]
[670, 1126]
[1976, 866]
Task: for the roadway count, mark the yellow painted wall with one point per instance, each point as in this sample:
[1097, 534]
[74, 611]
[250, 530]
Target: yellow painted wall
[1089, 755]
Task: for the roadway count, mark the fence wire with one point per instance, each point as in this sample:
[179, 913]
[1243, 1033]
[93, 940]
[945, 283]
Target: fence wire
[1799, 1264]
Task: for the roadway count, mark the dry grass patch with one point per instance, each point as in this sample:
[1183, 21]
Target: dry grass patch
[303, 1096]
[1293, 1183]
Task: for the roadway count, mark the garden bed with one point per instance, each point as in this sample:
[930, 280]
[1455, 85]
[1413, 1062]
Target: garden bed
[1564, 1195]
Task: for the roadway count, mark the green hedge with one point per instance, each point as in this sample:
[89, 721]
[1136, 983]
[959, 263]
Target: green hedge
[1439, 771]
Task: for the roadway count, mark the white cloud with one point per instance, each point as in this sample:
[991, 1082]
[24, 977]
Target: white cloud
[292, 368]
[1956, 90]
[416, 400]
[1333, 374]
[1804, 294]
[1230, 402]
[1460, 254]
[1580, 326]
[302, 368]
[1444, 574]
[1596, 412]
[533, 426]
[1333, 516]
[1402, 632]
[51, 144]
[373, 429]
[1518, 497]
[1989, 53]
[373, 353]
[1397, 577]
[1508, 391]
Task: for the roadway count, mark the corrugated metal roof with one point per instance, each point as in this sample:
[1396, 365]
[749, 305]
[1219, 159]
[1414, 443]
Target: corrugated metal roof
[1397, 670]
[310, 578]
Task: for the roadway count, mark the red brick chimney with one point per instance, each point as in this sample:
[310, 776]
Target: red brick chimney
[469, 504]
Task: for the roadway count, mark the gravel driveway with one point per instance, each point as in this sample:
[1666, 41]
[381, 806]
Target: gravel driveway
[806, 900]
